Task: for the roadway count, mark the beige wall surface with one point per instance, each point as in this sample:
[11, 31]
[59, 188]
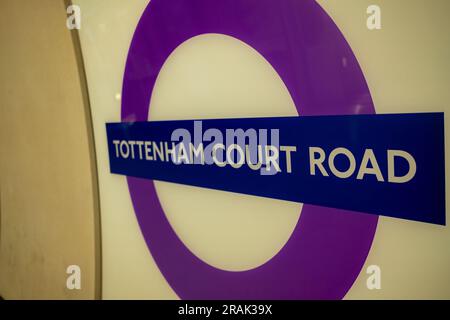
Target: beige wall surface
[48, 202]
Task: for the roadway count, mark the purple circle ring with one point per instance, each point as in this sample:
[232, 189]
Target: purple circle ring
[328, 247]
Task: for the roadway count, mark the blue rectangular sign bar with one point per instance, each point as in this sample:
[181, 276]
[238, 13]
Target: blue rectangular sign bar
[389, 164]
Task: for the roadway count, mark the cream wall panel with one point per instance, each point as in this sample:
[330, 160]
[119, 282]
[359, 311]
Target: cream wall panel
[406, 66]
